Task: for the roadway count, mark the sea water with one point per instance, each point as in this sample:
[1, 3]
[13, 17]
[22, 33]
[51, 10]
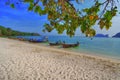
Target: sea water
[97, 45]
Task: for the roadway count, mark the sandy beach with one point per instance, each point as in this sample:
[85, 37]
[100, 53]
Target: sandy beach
[24, 61]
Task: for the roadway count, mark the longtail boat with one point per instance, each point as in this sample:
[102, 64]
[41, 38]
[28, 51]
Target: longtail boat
[65, 45]
[36, 40]
[54, 43]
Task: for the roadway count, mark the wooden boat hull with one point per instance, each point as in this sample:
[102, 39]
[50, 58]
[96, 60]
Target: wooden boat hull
[54, 44]
[69, 45]
[35, 41]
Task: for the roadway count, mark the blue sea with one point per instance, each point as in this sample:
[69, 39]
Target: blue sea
[99, 46]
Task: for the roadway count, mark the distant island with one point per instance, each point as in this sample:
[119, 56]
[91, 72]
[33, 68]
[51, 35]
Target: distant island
[117, 35]
[101, 35]
[9, 32]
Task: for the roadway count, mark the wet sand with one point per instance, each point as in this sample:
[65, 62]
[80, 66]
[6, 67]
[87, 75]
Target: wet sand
[24, 61]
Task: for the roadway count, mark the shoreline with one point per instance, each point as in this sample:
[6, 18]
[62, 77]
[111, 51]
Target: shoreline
[21, 60]
[68, 51]
[73, 52]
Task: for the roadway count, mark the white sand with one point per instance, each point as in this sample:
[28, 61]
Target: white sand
[24, 61]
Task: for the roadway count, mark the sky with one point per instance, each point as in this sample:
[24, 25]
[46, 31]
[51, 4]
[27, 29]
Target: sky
[22, 20]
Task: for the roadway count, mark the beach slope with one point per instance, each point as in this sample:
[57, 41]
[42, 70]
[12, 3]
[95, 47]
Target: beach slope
[25, 61]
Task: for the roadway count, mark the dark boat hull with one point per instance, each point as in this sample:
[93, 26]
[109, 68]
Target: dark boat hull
[70, 45]
[54, 44]
[36, 41]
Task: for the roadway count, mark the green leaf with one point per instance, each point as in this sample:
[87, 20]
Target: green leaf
[37, 9]
[92, 32]
[108, 15]
[43, 30]
[30, 8]
[12, 6]
[48, 27]
[102, 24]
[108, 25]
[85, 10]
[28, 1]
[77, 1]
[83, 28]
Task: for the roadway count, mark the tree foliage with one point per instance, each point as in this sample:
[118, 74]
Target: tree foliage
[63, 16]
[9, 32]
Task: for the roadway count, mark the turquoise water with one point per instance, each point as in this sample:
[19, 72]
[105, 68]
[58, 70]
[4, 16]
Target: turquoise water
[100, 46]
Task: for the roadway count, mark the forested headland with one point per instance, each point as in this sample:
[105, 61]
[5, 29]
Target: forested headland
[9, 32]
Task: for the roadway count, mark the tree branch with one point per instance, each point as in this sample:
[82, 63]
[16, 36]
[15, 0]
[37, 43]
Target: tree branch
[36, 2]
